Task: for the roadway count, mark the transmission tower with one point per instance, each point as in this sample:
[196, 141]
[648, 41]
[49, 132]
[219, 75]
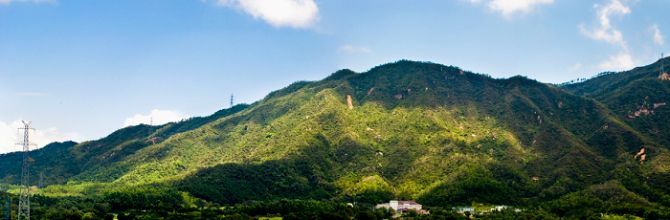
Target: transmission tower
[231, 100]
[24, 201]
[662, 63]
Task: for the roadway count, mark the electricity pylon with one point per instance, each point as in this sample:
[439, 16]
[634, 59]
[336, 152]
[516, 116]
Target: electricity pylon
[24, 201]
[662, 63]
[231, 100]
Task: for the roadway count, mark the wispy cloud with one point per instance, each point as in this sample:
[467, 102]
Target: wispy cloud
[509, 8]
[605, 31]
[618, 62]
[155, 117]
[9, 2]
[657, 35]
[278, 13]
[10, 136]
[350, 49]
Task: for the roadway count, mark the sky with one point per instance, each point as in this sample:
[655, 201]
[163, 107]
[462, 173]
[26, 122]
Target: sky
[80, 69]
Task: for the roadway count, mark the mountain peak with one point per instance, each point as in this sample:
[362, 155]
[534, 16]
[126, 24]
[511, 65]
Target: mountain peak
[420, 66]
[340, 74]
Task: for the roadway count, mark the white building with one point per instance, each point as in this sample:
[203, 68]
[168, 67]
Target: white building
[401, 206]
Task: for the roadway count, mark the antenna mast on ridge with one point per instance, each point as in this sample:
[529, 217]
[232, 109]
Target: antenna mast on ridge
[231, 100]
[24, 201]
[662, 66]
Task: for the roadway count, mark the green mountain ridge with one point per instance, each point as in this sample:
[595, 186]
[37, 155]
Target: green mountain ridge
[414, 130]
[628, 92]
[62, 162]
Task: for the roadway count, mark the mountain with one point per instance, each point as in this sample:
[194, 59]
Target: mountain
[408, 130]
[59, 163]
[639, 96]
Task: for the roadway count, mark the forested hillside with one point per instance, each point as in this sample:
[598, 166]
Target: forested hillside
[408, 130]
[639, 96]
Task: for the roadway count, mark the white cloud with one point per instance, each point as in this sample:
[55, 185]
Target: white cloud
[155, 117]
[10, 136]
[279, 13]
[604, 31]
[618, 62]
[657, 35]
[349, 49]
[9, 2]
[508, 8]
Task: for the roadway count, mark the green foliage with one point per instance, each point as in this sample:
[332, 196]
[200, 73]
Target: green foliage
[52, 158]
[626, 92]
[472, 186]
[233, 183]
[417, 131]
[611, 197]
[90, 161]
[509, 214]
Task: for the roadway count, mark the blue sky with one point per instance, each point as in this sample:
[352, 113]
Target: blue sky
[80, 69]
